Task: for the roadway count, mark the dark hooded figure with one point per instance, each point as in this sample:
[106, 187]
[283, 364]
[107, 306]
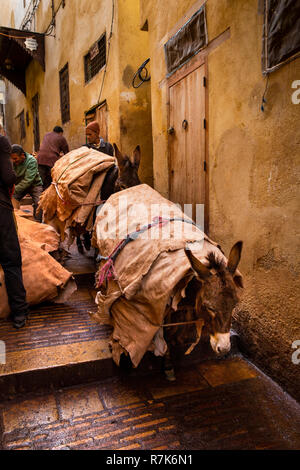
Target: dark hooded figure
[10, 253]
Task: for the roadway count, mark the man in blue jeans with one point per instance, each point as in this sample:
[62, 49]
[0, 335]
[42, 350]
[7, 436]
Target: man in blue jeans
[10, 253]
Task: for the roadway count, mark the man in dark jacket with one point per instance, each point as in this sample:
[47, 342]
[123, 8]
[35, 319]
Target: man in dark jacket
[54, 145]
[94, 140]
[10, 253]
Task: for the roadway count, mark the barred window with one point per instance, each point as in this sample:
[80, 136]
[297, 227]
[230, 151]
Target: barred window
[22, 125]
[187, 41]
[281, 38]
[95, 59]
[64, 94]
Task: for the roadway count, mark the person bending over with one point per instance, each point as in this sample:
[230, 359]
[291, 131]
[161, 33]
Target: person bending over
[28, 178]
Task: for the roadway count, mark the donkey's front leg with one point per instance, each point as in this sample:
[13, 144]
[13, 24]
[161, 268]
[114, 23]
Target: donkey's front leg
[79, 245]
[168, 366]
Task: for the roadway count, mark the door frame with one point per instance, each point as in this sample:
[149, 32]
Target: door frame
[93, 111]
[197, 61]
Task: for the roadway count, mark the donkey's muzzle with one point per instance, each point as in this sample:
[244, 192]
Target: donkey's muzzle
[220, 343]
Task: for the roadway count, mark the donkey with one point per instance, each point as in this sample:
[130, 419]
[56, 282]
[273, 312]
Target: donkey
[128, 169]
[216, 288]
[123, 176]
[213, 292]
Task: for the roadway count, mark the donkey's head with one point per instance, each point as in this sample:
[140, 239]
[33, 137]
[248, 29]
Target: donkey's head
[217, 295]
[128, 169]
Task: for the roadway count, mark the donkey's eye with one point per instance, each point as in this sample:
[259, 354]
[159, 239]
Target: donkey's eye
[211, 312]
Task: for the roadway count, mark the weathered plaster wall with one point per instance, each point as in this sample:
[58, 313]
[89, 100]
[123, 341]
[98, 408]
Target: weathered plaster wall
[135, 103]
[12, 13]
[76, 30]
[253, 170]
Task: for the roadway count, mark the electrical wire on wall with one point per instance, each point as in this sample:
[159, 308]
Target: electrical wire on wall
[51, 26]
[108, 49]
[263, 100]
[142, 78]
[29, 16]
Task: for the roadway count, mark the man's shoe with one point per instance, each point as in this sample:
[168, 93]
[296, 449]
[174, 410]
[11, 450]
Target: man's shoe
[19, 322]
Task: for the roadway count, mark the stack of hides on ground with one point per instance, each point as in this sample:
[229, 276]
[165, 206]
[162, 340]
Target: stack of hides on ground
[152, 271]
[43, 277]
[78, 177]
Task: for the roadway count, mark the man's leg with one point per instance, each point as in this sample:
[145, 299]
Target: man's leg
[18, 197]
[35, 192]
[45, 174]
[11, 262]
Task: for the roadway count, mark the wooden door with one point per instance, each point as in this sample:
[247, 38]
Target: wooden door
[99, 114]
[187, 138]
[101, 117]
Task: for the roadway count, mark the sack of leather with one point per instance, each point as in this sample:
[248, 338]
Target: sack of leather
[43, 277]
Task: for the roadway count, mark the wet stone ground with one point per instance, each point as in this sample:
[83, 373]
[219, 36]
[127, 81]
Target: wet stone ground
[213, 405]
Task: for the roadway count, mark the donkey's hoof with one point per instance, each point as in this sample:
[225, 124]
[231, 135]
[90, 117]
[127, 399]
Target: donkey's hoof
[87, 243]
[80, 249]
[170, 375]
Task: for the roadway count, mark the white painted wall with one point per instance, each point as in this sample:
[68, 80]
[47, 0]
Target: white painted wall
[13, 12]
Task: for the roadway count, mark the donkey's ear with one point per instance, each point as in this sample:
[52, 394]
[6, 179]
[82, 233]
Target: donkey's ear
[234, 257]
[137, 156]
[118, 155]
[238, 280]
[200, 268]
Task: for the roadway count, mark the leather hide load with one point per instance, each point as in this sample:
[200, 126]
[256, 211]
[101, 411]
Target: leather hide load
[35, 232]
[77, 180]
[150, 274]
[44, 278]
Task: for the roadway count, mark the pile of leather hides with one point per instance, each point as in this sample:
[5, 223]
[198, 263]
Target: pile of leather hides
[77, 180]
[150, 274]
[44, 278]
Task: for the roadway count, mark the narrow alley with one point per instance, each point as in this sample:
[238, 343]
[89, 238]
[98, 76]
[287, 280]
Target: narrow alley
[149, 225]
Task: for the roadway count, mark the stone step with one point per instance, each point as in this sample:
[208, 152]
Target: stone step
[59, 346]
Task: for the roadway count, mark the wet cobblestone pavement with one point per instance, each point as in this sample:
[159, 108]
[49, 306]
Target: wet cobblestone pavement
[213, 405]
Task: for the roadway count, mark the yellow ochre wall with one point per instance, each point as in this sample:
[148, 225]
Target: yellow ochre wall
[78, 26]
[253, 169]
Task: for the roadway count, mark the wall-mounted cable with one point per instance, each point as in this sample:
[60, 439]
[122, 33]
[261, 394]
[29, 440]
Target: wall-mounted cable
[139, 73]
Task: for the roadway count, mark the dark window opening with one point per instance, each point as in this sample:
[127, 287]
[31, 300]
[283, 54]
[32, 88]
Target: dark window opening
[64, 94]
[36, 122]
[281, 38]
[187, 42]
[95, 59]
[22, 125]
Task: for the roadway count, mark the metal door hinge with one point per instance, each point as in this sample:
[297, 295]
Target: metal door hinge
[204, 81]
[204, 164]
[204, 123]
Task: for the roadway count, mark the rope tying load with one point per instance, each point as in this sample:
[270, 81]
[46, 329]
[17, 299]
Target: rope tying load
[108, 271]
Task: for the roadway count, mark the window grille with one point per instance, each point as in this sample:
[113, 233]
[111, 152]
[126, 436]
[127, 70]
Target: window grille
[64, 94]
[36, 122]
[22, 125]
[281, 38]
[187, 41]
[95, 59]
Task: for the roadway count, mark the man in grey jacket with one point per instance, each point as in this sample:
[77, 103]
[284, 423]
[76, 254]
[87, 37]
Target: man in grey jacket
[10, 253]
